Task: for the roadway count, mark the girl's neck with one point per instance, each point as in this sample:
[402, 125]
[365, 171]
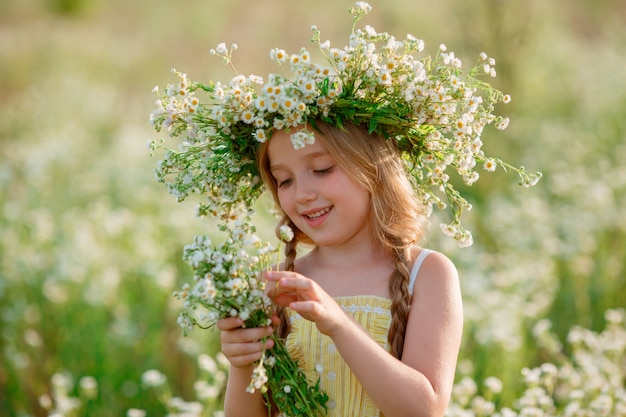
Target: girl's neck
[348, 256]
[349, 270]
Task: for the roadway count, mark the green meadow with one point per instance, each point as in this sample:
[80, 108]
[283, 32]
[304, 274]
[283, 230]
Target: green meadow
[91, 244]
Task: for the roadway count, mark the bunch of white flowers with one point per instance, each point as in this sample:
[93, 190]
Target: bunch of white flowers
[227, 284]
[226, 280]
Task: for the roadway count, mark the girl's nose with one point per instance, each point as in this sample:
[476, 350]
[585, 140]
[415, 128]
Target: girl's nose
[304, 191]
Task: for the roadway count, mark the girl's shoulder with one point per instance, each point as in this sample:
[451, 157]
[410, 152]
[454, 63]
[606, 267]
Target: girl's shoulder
[428, 264]
[430, 256]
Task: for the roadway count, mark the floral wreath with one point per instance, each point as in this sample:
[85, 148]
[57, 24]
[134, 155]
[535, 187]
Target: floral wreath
[432, 110]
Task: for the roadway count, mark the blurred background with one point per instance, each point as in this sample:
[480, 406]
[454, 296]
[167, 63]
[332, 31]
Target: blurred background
[91, 244]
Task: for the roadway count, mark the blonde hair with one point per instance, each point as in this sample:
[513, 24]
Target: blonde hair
[395, 215]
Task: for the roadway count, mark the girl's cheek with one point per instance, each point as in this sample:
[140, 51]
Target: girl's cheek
[283, 197]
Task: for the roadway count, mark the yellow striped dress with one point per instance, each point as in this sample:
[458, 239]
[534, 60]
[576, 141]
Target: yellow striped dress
[317, 356]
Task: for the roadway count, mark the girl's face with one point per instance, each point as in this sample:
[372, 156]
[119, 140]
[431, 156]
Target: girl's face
[315, 192]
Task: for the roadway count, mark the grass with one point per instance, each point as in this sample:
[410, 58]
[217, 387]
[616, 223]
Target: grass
[90, 244]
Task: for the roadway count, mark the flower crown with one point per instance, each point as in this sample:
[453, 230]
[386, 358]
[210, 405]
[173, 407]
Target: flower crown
[433, 111]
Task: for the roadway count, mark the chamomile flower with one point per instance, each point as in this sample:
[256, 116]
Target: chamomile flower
[305, 57]
[279, 56]
[385, 78]
[259, 122]
[260, 103]
[247, 117]
[288, 103]
[286, 233]
[153, 378]
[298, 141]
[307, 86]
[260, 135]
[362, 7]
[490, 165]
[278, 124]
[503, 123]
[296, 59]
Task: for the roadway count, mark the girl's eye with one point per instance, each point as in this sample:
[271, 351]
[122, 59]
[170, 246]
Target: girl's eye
[285, 183]
[324, 171]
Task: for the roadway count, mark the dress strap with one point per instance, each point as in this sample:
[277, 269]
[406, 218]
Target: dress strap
[416, 268]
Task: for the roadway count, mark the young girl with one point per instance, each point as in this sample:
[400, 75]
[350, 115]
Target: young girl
[374, 315]
[356, 155]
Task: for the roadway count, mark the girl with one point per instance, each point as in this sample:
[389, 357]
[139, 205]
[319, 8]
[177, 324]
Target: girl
[359, 154]
[368, 311]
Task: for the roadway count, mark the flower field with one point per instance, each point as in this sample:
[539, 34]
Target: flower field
[91, 244]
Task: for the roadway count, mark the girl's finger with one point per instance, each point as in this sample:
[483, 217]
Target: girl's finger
[284, 299]
[275, 320]
[305, 307]
[229, 323]
[272, 279]
[290, 283]
[274, 276]
[246, 353]
[243, 349]
[241, 361]
[245, 335]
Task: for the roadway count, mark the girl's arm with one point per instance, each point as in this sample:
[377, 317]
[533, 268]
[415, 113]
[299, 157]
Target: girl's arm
[420, 384]
[242, 347]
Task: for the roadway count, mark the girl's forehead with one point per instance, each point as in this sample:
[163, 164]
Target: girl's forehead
[280, 147]
[298, 161]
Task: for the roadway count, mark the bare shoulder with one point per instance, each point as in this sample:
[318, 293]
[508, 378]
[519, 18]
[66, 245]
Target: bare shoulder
[437, 281]
[434, 265]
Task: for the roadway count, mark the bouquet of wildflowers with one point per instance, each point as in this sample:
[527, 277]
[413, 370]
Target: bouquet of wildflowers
[227, 284]
[433, 111]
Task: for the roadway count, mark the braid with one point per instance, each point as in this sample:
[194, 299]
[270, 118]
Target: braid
[400, 302]
[290, 257]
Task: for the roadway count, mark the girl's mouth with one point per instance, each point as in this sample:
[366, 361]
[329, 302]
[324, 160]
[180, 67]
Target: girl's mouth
[317, 214]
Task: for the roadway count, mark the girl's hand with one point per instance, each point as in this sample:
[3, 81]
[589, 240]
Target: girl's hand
[307, 298]
[242, 347]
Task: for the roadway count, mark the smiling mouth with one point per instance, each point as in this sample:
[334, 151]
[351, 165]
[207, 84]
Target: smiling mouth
[317, 214]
